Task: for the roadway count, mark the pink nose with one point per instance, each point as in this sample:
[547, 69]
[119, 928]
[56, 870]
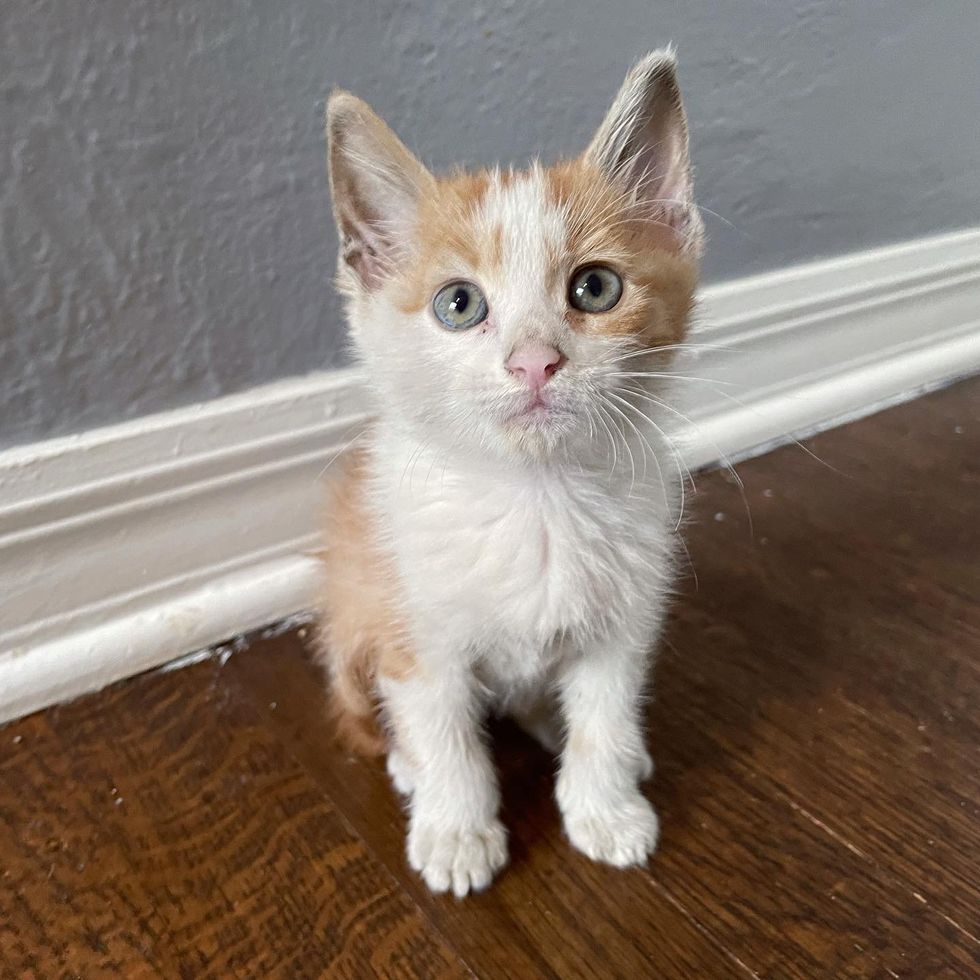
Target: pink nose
[535, 364]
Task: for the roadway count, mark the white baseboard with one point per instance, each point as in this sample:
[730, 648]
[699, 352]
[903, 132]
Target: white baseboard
[126, 547]
[804, 347]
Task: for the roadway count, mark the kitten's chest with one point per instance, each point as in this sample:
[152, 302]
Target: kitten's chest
[522, 562]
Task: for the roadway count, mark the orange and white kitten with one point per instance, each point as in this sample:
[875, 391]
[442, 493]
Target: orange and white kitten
[504, 540]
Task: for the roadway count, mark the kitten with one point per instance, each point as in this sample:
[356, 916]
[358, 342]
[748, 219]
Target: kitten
[504, 540]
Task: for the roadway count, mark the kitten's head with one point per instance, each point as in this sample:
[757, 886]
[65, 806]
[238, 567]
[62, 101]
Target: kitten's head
[502, 311]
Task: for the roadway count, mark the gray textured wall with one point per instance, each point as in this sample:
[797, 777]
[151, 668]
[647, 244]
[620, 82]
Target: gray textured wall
[164, 225]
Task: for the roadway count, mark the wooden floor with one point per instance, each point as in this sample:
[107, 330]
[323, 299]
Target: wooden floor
[815, 728]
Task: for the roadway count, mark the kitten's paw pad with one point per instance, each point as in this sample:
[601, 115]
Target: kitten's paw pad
[401, 773]
[464, 861]
[622, 836]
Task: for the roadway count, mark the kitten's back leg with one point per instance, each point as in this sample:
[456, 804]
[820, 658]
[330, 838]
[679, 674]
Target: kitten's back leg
[401, 771]
[355, 620]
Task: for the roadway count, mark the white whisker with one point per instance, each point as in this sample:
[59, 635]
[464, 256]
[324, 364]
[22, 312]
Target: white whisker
[678, 459]
[726, 462]
[630, 451]
[600, 415]
[669, 377]
[344, 448]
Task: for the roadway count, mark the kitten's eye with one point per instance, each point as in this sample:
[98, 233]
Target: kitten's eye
[460, 305]
[595, 289]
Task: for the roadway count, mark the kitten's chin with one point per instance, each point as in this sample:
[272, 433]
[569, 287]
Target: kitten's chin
[538, 429]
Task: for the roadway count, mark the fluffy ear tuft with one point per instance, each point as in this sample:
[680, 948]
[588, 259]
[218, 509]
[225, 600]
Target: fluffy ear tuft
[642, 144]
[376, 185]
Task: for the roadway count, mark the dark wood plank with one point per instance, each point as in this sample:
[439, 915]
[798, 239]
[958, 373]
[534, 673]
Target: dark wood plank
[552, 913]
[782, 889]
[59, 915]
[837, 653]
[157, 829]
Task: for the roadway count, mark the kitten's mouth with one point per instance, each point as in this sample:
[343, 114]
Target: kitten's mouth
[536, 410]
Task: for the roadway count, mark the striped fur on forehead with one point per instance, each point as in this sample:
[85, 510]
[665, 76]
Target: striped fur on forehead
[542, 225]
[474, 223]
[444, 244]
[601, 216]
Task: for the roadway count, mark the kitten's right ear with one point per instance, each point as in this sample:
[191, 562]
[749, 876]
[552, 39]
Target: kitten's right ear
[376, 185]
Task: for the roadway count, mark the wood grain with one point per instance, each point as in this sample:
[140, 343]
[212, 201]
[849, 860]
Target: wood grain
[815, 727]
[158, 829]
[852, 632]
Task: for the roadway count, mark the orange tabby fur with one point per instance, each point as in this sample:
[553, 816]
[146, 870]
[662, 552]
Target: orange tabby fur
[362, 635]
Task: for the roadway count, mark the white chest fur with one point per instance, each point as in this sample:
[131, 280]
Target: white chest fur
[508, 562]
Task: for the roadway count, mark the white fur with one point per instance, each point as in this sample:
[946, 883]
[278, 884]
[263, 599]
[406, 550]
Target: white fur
[534, 559]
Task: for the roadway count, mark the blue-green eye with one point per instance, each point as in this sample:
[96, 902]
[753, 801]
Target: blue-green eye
[460, 305]
[595, 289]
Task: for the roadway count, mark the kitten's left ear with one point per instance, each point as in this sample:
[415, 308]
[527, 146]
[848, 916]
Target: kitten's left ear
[642, 145]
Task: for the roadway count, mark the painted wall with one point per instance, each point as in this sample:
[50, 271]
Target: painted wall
[164, 227]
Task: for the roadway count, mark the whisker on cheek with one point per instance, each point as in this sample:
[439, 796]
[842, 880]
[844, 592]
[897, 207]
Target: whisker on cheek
[664, 376]
[631, 352]
[725, 460]
[663, 483]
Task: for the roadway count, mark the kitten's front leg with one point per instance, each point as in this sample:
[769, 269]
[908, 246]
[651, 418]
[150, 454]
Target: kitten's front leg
[604, 760]
[455, 839]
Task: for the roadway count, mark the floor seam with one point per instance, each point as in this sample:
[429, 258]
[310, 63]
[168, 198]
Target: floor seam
[699, 925]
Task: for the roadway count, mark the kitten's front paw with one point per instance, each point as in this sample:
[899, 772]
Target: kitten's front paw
[465, 860]
[621, 835]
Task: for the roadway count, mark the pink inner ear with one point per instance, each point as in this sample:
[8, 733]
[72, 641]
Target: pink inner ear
[670, 222]
[660, 169]
[667, 230]
[675, 191]
[662, 180]
[363, 251]
[364, 263]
